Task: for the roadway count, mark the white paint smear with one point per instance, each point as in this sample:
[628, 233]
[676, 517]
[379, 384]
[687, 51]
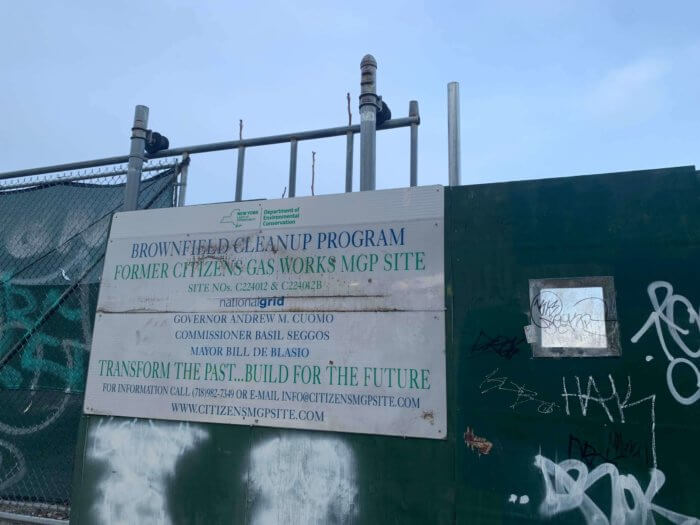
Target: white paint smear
[302, 480]
[630, 504]
[141, 456]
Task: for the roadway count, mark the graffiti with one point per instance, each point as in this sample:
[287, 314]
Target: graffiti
[523, 500]
[616, 411]
[13, 470]
[28, 239]
[615, 450]
[81, 235]
[629, 503]
[27, 408]
[21, 310]
[523, 395]
[303, 479]
[55, 245]
[505, 347]
[665, 314]
[479, 444]
[141, 456]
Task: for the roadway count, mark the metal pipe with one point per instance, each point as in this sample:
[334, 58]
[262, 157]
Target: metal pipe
[413, 112]
[83, 177]
[182, 191]
[369, 105]
[214, 146]
[136, 158]
[70, 166]
[279, 139]
[239, 174]
[21, 518]
[349, 147]
[453, 142]
[292, 169]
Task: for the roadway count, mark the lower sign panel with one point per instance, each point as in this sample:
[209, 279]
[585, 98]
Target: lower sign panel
[363, 372]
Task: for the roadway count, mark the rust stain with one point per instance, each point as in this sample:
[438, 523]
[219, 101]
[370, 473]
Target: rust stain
[223, 257]
[428, 416]
[321, 309]
[356, 296]
[211, 257]
[479, 444]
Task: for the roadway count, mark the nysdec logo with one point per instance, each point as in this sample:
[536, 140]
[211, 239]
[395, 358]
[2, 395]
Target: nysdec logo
[238, 217]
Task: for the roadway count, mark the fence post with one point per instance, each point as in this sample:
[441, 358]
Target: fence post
[136, 158]
[239, 173]
[349, 143]
[184, 165]
[368, 122]
[454, 150]
[413, 112]
[292, 168]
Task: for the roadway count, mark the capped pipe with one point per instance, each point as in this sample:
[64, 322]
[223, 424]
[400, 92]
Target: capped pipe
[369, 105]
[137, 155]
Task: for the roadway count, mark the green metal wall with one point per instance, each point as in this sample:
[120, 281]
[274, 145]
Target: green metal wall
[506, 408]
[640, 228]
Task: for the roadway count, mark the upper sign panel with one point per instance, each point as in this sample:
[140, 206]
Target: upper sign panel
[315, 254]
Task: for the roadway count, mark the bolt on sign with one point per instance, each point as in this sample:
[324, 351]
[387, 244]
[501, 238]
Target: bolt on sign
[321, 313]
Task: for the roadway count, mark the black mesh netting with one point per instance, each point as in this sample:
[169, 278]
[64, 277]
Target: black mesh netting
[52, 244]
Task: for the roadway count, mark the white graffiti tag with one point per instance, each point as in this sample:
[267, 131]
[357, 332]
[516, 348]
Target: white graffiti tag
[564, 492]
[664, 313]
[615, 412]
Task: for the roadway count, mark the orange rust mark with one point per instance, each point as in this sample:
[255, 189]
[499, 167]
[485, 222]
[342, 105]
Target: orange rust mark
[474, 442]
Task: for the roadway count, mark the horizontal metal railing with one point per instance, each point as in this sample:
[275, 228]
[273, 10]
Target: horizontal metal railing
[95, 175]
[412, 121]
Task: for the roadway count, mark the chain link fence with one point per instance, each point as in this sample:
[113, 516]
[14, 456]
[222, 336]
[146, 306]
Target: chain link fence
[52, 245]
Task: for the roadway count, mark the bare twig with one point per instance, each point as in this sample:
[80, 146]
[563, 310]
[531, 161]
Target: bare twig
[349, 112]
[313, 171]
[284, 192]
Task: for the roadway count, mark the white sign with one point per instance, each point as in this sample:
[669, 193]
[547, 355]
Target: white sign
[320, 313]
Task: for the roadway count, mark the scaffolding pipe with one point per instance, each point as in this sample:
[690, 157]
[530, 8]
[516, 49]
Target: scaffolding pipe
[453, 141]
[369, 105]
[137, 156]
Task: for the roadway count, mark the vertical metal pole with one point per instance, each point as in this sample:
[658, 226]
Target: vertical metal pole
[348, 161]
[184, 166]
[453, 143]
[413, 112]
[136, 158]
[368, 123]
[292, 169]
[239, 174]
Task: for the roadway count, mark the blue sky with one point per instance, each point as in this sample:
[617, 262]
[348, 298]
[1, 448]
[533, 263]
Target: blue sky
[548, 88]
